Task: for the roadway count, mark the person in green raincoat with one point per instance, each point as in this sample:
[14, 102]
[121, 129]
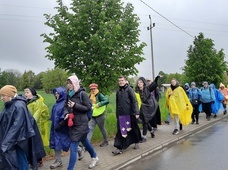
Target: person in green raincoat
[40, 112]
[179, 105]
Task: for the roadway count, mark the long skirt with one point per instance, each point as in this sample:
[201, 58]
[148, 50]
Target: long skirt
[133, 136]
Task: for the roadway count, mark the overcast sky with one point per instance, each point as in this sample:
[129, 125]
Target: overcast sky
[22, 22]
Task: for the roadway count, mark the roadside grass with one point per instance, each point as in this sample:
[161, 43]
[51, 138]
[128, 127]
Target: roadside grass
[97, 138]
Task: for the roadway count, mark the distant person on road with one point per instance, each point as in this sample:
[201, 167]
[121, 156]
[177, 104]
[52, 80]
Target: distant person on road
[127, 112]
[224, 92]
[179, 105]
[77, 105]
[217, 105]
[40, 112]
[149, 104]
[195, 97]
[20, 139]
[59, 134]
[99, 102]
[208, 97]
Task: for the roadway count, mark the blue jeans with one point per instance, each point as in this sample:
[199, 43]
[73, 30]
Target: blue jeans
[22, 159]
[74, 151]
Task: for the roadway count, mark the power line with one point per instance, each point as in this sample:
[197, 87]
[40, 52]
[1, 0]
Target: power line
[167, 19]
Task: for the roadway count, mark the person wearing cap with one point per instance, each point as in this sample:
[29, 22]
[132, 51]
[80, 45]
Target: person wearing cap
[208, 97]
[78, 103]
[40, 112]
[194, 95]
[19, 135]
[99, 102]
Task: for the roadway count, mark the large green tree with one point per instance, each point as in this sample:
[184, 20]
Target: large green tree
[96, 40]
[204, 63]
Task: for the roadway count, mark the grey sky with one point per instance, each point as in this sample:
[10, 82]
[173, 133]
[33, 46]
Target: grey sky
[22, 22]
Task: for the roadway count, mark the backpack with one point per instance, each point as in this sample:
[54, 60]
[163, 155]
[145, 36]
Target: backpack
[89, 113]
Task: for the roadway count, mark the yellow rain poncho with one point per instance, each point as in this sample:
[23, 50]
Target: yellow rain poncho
[178, 103]
[40, 113]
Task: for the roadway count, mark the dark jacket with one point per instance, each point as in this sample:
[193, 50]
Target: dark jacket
[149, 103]
[18, 129]
[126, 103]
[59, 140]
[80, 127]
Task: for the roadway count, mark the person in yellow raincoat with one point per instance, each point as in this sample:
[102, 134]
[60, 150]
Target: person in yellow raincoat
[179, 105]
[40, 112]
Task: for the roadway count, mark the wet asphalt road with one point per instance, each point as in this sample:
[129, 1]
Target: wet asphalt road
[206, 150]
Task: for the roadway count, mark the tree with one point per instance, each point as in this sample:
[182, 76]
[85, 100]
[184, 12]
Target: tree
[204, 63]
[11, 77]
[96, 40]
[53, 78]
[27, 79]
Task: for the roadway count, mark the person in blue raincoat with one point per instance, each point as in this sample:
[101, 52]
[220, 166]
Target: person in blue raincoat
[59, 134]
[217, 105]
[207, 98]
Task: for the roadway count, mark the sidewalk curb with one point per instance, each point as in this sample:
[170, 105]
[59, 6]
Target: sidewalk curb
[168, 143]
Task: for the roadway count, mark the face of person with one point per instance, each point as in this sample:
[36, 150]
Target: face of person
[173, 82]
[93, 90]
[28, 94]
[57, 96]
[70, 85]
[192, 85]
[205, 85]
[122, 82]
[5, 98]
[140, 84]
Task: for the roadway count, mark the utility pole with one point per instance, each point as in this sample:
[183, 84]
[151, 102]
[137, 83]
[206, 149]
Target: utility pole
[151, 39]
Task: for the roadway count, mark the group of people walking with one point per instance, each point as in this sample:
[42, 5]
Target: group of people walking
[185, 103]
[25, 118]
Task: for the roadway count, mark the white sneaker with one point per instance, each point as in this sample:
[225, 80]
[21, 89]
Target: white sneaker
[93, 162]
[56, 164]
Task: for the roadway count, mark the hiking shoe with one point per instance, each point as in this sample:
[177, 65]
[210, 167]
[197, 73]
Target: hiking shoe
[93, 162]
[225, 112]
[117, 152]
[40, 163]
[175, 132]
[104, 143]
[81, 152]
[136, 146]
[193, 122]
[152, 134]
[215, 116]
[142, 140]
[197, 123]
[167, 122]
[56, 164]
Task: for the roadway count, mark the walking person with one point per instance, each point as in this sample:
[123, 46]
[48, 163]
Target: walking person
[77, 105]
[179, 105]
[217, 104]
[194, 96]
[208, 97]
[127, 112]
[99, 102]
[59, 134]
[149, 104]
[224, 92]
[20, 139]
[40, 112]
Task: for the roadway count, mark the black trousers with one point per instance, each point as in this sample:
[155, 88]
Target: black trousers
[206, 107]
[195, 113]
